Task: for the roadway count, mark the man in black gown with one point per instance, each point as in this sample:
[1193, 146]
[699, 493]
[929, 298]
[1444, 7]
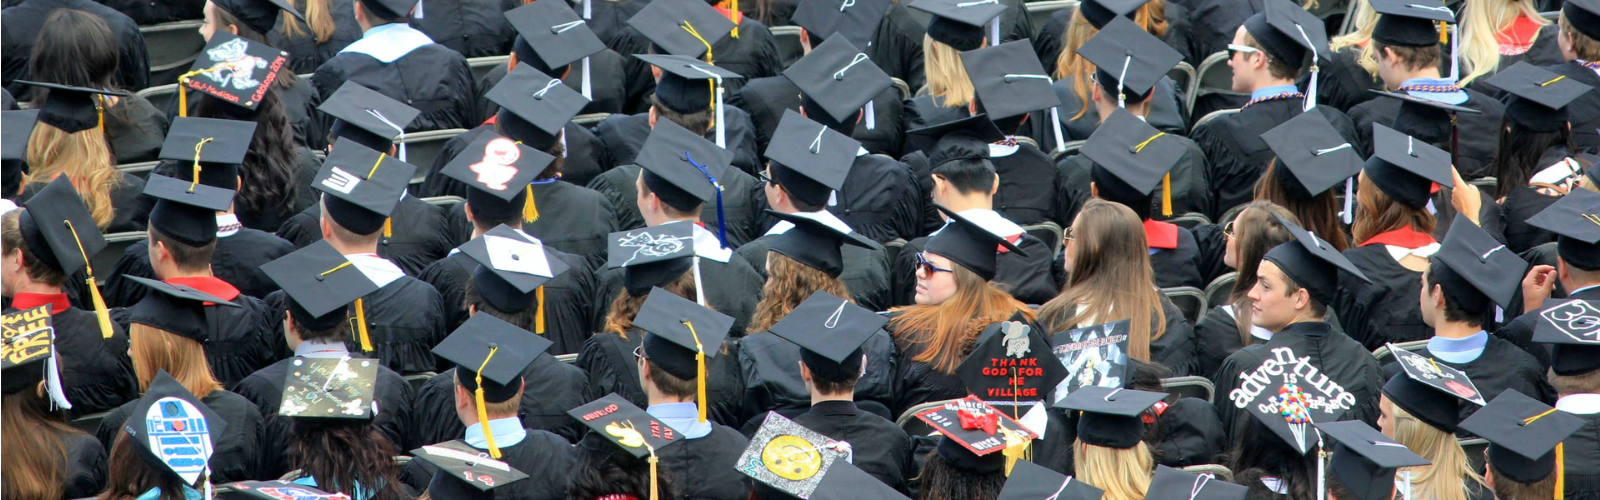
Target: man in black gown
[1580, 45]
[23, 22]
[1524, 435]
[475, 28]
[400, 62]
[694, 28]
[549, 40]
[1010, 86]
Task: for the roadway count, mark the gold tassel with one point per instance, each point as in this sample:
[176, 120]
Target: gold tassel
[1444, 32]
[1561, 473]
[100, 112]
[538, 315]
[100, 312]
[700, 371]
[690, 28]
[361, 327]
[388, 227]
[194, 178]
[733, 5]
[183, 97]
[483, 413]
[1017, 448]
[530, 212]
[1166, 195]
[653, 461]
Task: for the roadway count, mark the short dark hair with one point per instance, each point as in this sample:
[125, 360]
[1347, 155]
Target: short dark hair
[1410, 57]
[486, 221]
[188, 258]
[1290, 286]
[968, 175]
[37, 270]
[698, 122]
[671, 385]
[1454, 311]
[836, 380]
[525, 319]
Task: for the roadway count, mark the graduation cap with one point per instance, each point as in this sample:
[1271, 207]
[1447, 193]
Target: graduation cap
[1292, 35]
[499, 172]
[1009, 80]
[815, 243]
[789, 457]
[1425, 118]
[856, 20]
[178, 309]
[174, 431]
[1168, 482]
[258, 15]
[1364, 460]
[1287, 403]
[837, 78]
[208, 143]
[512, 270]
[330, 388]
[650, 256]
[809, 159]
[395, 8]
[1099, 13]
[1575, 218]
[1430, 391]
[59, 229]
[1030, 481]
[1128, 60]
[1312, 262]
[680, 335]
[320, 282]
[186, 210]
[1011, 362]
[17, 130]
[973, 431]
[844, 481]
[626, 426]
[1131, 158]
[232, 68]
[554, 33]
[1405, 168]
[464, 472]
[73, 109]
[1524, 436]
[830, 331]
[1572, 327]
[1095, 356]
[1477, 268]
[1312, 153]
[535, 106]
[682, 169]
[28, 353]
[969, 244]
[274, 490]
[959, 23]
[1111, 416]
[962, 139]
[1411, 23]
[368, 117]
[1584, 16]
[490, 355]
[682, 27]
[687, 82]
[1538, 98]
[362, 186]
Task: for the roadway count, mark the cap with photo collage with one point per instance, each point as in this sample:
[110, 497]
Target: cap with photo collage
[1364, 460]
[28, 354]
[551, 36]
[1294, 36]
[1131, 158]
[1011, 361]
[977, 437]
[1099, 13]
[1572, 329]
[1168, 482]
[1406, 168]
[1030, 481]
[362, 186]
[810, 160]
[16, 128]
[856, 20]
[59, 230]
[330, 388]
[650, 256]
[1584, 16]
[1288, 405]
[1575, 218]
[617, 425]
[320, 283]
[682, 27]
[790, 458]
[1524, 436]
[1537, 98]
[274, 490]
[174, 431]
[970, 245]
[816, 243]
[1312, 262]
[1128, 60]
[959, 23]
[1430, 391]
[839, 80]
[499, 172]
[464, 473]
[844, 481]
[234, 69]
[1009, 81]
[1313, 157]
[829, 331]
[490, 356]
[512, 270]
[682, 169]
[1477, 269]
[1112, 417]
[1094, 356]
[367, 117]
[680, 336]
[534, 106]
[259, 15]
[1411, 23]
[177, 309]
[73, 109]
[211, 148]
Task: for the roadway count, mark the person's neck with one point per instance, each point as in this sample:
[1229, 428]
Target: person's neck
[28, 286]
[785, 206]
[1302, 318]
[349, 249]
[1432, 73]
[964, 202]
[654, 398]
[1264, 81]
[1456, 330]
[1140, 110]
[167, 270]
[817, 397]
[664, 218]
[477, 231]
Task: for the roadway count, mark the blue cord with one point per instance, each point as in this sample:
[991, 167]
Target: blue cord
[722, 231]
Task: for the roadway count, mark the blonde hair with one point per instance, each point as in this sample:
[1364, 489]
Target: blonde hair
[1364, 19]
[154, 349]
[1151, 16]
[84, 157]
[1481, 23]
[1124, 474]
[788, 284]
[947, 77]
[1445, 478]
[317, 18]
[947, 331]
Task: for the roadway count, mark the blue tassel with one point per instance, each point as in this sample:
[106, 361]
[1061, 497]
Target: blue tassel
[722, 230]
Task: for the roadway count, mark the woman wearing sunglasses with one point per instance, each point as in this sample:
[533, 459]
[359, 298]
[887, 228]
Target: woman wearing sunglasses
[1226, 327]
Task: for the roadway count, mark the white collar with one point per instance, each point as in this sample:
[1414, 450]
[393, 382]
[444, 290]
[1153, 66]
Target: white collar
[822, 216]
[1579, 404]
[992, 221]
[378, 269]
[1275, 484]
[862, 152]
[997, 150]
[228, 225]
[389, 42]
[706, 244]
[1399, 252]
[1255, 331]
[322, 349]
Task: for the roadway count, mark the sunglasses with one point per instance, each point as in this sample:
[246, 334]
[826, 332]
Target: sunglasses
[928, 268]
[1227, 229]
[1235, 49]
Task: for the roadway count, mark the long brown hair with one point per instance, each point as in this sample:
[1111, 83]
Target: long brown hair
[1152, 16]
[345, 454]
[1319, 214]
[1255, 231]
[1377, 213]
[788, 284]
[153, 349]
[318, 18]
[945, 332]
[1110, 278]
[626, 306]
[84, 157]
[34, 459]
[130, 476]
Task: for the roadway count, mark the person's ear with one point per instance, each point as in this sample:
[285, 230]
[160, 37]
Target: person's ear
[233, 28]
[322, 222]
[652, 117]
[1436, 294]
[467, 209]
[1094, 190]
[462, 398]
[1302, 299]
[995, 187]
[805, 371]
[472, 309]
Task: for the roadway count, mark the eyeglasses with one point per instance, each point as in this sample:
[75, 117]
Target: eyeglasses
[1066, 235]
[638, 352]
[1234, 50]
[927, 268]
[764, 178]
[1227, 229]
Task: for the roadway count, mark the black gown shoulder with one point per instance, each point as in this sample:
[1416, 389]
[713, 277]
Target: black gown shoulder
[771, 373]
[547, 459]
[1235, 154]
[1215, 21]
[1179, 266]
[1189, 433]
[96, 372]
[881, 448]
[706, 468]
[1583, 113]
[1216, 338]
[236, 455]
[431, 78]
[1501, 367]
[305, 52]
[1343, 83]
[865, 274]
[236, 260]
[1176, 347]
[23, 20]
[1026, 192]
[1384, 310]
[1520, 204]
[418, 238]
[135, 130]
[880, 199]
[553, 388]
[147, 13]
[264, 388]
[475, 28]
[1342, 360]
[86, 466]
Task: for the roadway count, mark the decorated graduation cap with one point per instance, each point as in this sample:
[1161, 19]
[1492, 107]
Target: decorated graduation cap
[969, 244]
[1313, 157]
[856, 20]
[977, 437]
[1575, 218]
[499, 172]
[789, 457]
[837, 79]
[1364, 460]
[682, 27]
[534, 106]
[1287, 403]
[1405, 168]
[551, 36]
[1111, 416]
[830, 331]
[680, 335]
[1292, 35]
[177, 309]
[1131, 158]
[1095, 356]
[1572, 328]
[1312, 262]
[186, 210]
[362, 187]
[73, 109]
[682, 169]
[1011, 362]
[258, 15]
[1524, 436]
[959, 23]
[343, 388]
[1099, 13]
[809, 159]
[28, 354]
[213, 147]
[815, 243]
[464, 472]
[368, 118]
[490, 355]
[1128, 60]
[957, 140]
[17, 130]
[651, 256]
[1537, 98]
[1030, 481]
[512, 270]
[1009, 80]
[625, 427]
[60, 231]
[320, 282]
[274, 490]
[1430, 391]
[1584, 15]
[846, 481]
[689, 85]
[174, 431]
[1168, 482]
[1411, 23]
[1477, 268]
[232, 68]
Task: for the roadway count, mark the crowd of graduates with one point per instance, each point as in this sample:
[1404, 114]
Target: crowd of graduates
[765, 275]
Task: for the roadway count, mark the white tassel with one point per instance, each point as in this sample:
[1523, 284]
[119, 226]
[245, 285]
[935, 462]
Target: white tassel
[872, 117]
[699, 288]
[1349, 200]
[1055, 123]
[587, 94]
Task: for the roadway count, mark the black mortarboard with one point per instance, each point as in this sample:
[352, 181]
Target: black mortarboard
[234, 69]
[273, 490]
[857, 20]
[836, 76]
[258, 15]
[1128, 60]
[58, 228]
[1101, 12]
[966, 138]
[536, 106]
[1288, 404]
[681, 27]
[788, 457]
[682, 169]
[18, 128]
[1477, 268]
[1575, 218]
[815, 243]
[809, 159]
[1424, 118]
[1364, 460]
[1523, 434]
[1583, 15]
[330, 388]
[498, 351]
[213, 141]
[173, 430]
[1312, 153]
[28, 353]
[555, 33]
[1410, 23]
[829, 331]
[1094, 356]
[959, 23]
[362, 186]
[1572, 328]
[1537, 98]
[395, 8]
[320, 282]
[1030, 481]
[844, 481]
[627, 426]
[1430, 391]
[497, 171]
[178, 309]
[973, 434]
[461, 466]
[73, 109]
[1131, 158]
[684, 86]
[511, 268]
[651, 256]
[680, 336]
[1405, 168]
[1009, 80]
[1111, 416]
[366, 116]
[1168, 482]
[186, 211]
[1011, 362]
[1289, 33]
[1312, 262]
[969, 244]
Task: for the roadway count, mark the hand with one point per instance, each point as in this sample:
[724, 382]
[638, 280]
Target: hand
[1464, 197]
[1536, 287]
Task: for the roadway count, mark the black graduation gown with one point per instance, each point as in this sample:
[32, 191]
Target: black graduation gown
[926, 111]
[272, 217]
[1215, 21]
[705, 468]
[567, 298]
[417, 226]
[1216, 338]
[1520, 204]
[741, 206]
[546, 458]
[572, 219]
[265, 389]
[1343, 83]
[1335, 356]
[1166, 114]
[607, 17]
[880, 448]
[866, 271]
[1584, 112]
[22, 22]
[1490, 217]
[1384, 310]
[1048, 43]
[236, 456]
[1026, 196]
[1582, 460]
[86, 466]
[765, 99]
[135, 129]
[919, 382]
[96, 372]
[1502, 366]
[880, 199]
[431, 78]
[1034, 279]
[242, 340]
[1177, 345]
[897, 44]
[475, 28]
[754, 54]
[1178, 266]
[1188, 433]
[146, 12]
[1191, 190]
[299, 101]
[621, 137]
[404, 321]
[553, 388]
[1478, 134]
[771, 368]
[606, 91]
[1235, 153]
[305, 53]
[608, 360]
[237, 260]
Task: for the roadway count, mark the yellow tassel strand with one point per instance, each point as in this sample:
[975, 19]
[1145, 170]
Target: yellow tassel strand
[1561, 472]
[361, 326]
[538, 315]
[530, 212]
[194, 180]
[700, 371]
[100, 112]
[690, 28]
[653, 461]
[388, 227]
[1444, 33]
[1017, 448]
[100, 312]
[483, 413]
[1166, 195]
[734, 15]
